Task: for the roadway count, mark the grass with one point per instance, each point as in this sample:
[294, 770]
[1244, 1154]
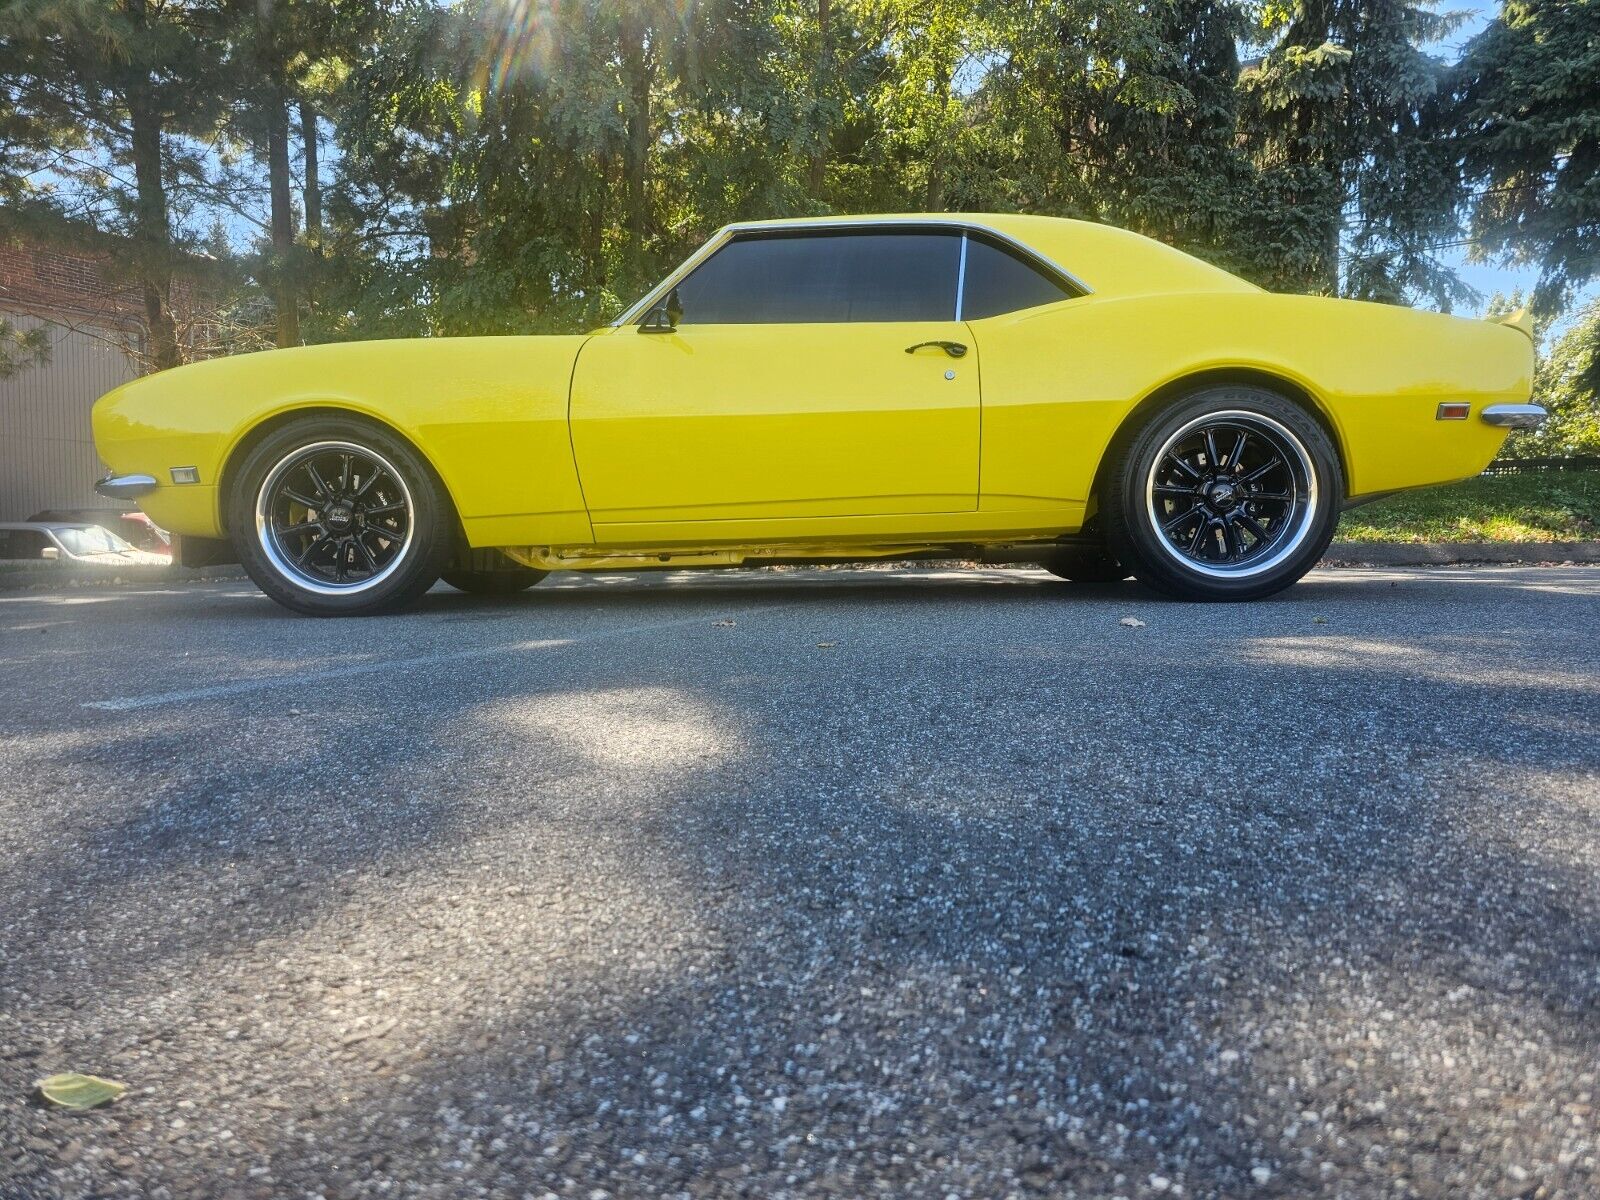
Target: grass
[1554, 507]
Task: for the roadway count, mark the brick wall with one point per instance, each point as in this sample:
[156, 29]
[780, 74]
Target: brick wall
[68, 284]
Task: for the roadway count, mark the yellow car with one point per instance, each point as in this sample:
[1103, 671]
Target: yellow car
[1010, 388]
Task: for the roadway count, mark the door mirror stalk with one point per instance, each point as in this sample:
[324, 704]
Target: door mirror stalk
[664, 317]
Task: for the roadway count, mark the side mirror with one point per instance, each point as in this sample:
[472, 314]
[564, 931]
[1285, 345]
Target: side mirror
[664, 317]
[50, 554]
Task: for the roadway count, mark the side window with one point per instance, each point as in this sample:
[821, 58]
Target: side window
[1000, 280]
[834, 277]
[22, 543]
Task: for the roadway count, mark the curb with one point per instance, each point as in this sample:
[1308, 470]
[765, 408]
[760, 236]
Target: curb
[59, 578]
[1446, 554]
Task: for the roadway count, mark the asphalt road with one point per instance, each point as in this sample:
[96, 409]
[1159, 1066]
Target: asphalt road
[913, 884]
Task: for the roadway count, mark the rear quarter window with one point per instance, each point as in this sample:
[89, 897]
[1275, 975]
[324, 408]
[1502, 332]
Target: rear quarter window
[1001, 280]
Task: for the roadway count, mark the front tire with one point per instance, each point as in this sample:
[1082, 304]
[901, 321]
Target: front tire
[498, 577]
[334, 516]
[1232, 493]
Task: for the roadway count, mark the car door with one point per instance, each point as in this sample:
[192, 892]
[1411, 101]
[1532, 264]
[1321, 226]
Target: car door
[786, 392]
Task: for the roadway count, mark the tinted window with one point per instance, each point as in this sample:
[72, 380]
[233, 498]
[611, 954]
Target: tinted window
[1001, 281]
[825, 277]
[22, 543]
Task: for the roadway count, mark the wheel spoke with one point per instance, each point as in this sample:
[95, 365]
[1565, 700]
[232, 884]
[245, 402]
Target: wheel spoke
[321, 539]
[377, 473]
[1199, 538]
[317, 481]
[303, 527]
[1253, 528]
[1273, 496]
[1167, 489]
[1183, 466]
[1176, 522]
[385, 509]
[1236, 455]
[1231, 541]
[372, 563]
[344, 474]
[1211, 447]
[302, 500]
[1274, 461]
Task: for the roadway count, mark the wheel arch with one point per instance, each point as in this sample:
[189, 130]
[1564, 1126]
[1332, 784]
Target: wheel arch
[255, 434]
[1174, 389]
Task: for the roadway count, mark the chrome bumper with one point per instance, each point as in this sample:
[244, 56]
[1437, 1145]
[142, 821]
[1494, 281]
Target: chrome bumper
[1515, 416]
[126, 487]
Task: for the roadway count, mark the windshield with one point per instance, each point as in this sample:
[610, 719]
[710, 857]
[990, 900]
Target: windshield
[92, 540]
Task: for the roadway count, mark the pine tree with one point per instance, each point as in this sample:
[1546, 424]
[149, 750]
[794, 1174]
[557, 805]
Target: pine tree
[1335, 111]
[1527, 122]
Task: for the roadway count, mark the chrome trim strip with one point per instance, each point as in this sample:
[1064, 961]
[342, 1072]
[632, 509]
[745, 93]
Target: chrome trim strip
[1515, 416]
[126, 487]
[961, 276]
[729, 232]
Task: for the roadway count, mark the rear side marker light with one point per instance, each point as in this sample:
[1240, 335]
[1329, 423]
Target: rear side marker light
[185, 474]
[1453, 412]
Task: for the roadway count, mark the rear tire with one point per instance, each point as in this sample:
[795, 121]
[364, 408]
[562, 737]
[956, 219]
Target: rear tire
[334, 516]
[1232, 493]
[1085, 564]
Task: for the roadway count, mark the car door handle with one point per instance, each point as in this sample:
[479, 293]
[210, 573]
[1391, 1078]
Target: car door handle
[953, 349]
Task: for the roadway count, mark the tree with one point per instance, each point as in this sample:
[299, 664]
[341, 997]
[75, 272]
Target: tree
[1336, 108]
[1564, 384]
[128, 78]
[22, 348]
[1526, 119]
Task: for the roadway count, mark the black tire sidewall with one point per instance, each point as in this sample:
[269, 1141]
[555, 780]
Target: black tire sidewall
[507, 582]
[432, 518]
[1086, 564]
[1137, 545]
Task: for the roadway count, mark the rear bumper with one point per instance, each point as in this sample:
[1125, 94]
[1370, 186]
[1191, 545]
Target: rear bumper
[1515, 416]
[126, 487]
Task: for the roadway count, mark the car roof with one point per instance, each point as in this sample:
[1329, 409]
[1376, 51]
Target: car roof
[1101, 260]
[47, 526]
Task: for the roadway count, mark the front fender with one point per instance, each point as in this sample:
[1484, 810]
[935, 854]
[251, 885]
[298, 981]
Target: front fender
[489, 413]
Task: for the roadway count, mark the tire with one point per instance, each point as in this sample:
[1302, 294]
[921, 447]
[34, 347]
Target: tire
[335, 516]
[505, 582]
[1085, 564]
[1197, 517]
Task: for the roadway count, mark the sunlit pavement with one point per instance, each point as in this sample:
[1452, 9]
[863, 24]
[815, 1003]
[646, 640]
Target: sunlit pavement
[911, 883]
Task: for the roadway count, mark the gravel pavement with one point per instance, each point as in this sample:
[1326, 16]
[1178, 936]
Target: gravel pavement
[807, 884]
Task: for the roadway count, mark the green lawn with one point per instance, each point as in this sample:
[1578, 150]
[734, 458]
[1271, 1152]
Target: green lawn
[1555, 507]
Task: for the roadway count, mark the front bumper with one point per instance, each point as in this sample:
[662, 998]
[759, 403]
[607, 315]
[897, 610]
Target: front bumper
[1515, 416]
[126, 487]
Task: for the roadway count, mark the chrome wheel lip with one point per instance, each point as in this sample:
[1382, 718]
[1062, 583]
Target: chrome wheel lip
[267, 539]
[1304, 507]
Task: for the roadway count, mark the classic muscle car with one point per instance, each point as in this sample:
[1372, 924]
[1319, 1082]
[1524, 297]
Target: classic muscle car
[1008, 388]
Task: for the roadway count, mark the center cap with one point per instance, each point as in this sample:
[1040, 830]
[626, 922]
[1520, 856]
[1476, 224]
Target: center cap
[1222, 493]
[339, 516]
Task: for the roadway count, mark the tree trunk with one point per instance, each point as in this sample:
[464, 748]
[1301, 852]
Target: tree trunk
[637, 166]
[819, 149]
[275, 123]
[936, 152]
[313, 187]
[152, 235]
